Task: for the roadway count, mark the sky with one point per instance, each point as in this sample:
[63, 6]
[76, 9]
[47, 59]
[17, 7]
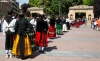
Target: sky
[22, 2]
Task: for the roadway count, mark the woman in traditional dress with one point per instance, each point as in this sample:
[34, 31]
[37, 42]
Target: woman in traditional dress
[31, 33]
[77, 25]
[41, 34]
[64, 24]
[22, 45]
[59, 26]
[52, 28]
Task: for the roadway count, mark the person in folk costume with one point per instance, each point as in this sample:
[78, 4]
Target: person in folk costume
[28, 15]
[77, 23]
[31, 33]
[8, 31]
[47, 19]
[41, 34]
[59, 26]
[64, 24]
[22, 46]
[52, 28]
[68, 23]
[15, 18]
[33, 22]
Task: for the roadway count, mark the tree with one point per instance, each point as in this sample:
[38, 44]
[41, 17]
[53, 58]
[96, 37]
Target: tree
[55, 6]
[35, 2]
[78, 2]
[87, 2]
[96, 5]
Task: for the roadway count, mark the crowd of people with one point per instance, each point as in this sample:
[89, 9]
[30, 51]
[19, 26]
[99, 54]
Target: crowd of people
[95, 24]
[25, 30]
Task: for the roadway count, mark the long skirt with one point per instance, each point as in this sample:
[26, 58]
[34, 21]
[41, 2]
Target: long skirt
[16, 46]
[31, 36]
[77, 25]
[51, 32]
[59, 29]
[41, 39]
[64, 27]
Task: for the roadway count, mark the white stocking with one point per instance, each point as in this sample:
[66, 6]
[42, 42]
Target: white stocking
[6, 53]
[10, 53]
[42, 48]
[39, 48]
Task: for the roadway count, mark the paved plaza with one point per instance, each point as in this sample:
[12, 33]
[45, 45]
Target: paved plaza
[78, 44]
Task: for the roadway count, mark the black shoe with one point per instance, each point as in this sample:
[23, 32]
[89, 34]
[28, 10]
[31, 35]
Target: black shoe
[41, 51]
[23, 58]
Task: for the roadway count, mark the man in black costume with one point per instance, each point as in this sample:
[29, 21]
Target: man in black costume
[8, 31]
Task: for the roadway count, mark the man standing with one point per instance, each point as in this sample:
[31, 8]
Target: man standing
[8, 30]
[68, 23]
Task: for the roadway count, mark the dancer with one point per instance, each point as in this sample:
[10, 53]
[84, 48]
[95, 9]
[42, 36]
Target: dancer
[8, 31]
[41, 34]
[52, 28]
[22, 45]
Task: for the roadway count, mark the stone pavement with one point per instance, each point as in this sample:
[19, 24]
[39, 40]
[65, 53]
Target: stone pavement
[78, 44]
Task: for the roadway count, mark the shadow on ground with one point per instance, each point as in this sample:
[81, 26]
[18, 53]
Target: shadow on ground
[36, 53]
[50, 41]
[56, 37]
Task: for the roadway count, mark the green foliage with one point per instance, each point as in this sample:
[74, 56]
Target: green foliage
[56, 7]
[96, 10]
[34, 2]
[87, 2]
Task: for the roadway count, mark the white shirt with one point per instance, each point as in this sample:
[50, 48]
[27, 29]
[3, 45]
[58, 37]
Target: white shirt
[95, 23]
[33, 22]
[68, 20]
[11, 25]
[47, 20]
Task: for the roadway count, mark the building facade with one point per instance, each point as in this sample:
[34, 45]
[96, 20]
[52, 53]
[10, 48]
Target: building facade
[36, 10]
[15, 5]
[81, 9]
[6, 5]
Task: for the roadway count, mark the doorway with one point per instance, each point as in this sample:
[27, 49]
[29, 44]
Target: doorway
[80, 15]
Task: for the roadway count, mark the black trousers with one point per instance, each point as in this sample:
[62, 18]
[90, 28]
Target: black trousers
[0, 27]
[68, 25]
[9, 40]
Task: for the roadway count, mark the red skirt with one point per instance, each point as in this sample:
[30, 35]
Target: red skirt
[41, 39]
[80, 23]
[51, 32]
[77, 25]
